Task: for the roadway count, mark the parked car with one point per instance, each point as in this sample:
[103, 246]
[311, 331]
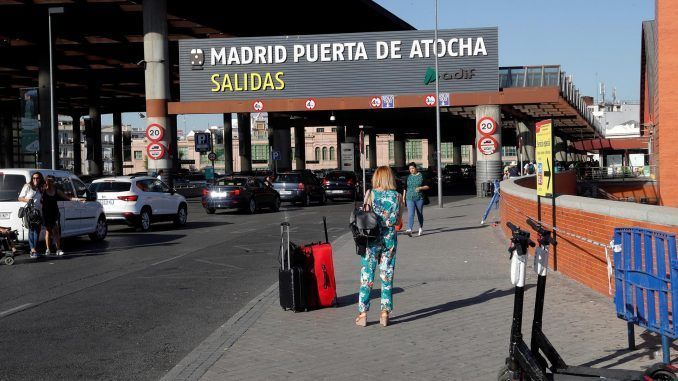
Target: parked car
[341, 184]
[139, 201]
[300, 186]
[248, 194]
[77, 217]
[400, 184]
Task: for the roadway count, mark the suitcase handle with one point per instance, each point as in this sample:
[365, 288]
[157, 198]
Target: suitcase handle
[285, 230]
[327, 239]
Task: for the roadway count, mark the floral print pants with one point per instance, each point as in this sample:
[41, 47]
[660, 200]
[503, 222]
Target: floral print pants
[385, 253]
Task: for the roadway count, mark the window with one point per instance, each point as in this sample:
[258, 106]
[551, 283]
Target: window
[508, 151]
[80, 188]
[159, 186]
[333, 153]
[145, 185]
[390, 150]
[260, 152]
[367, 152]
[413, 149]
[466, 154]
[317, 153]
[324, 153]
[446, 150]
[10, 186]
[334, 129]
[111, 186]
[319, 130]
[64, 184]
[137, 155]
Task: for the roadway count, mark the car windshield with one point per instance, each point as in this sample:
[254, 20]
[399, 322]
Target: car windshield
[237, 182]
[111, 186]
[340, 176]
[288, 178]
[10, 186]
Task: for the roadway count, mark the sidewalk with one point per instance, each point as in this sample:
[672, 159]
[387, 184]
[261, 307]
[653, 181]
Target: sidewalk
[452, 316]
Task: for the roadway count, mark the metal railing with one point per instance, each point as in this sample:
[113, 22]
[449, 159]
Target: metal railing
[622, 173]
[548, 76]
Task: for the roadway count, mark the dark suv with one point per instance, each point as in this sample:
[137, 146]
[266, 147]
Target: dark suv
[341, 184]
[299, 186]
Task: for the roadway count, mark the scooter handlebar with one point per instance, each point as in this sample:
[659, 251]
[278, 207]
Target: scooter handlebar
[544, 234]
[513, 227]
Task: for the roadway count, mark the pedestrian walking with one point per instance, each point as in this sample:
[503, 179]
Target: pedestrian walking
[32, 192]
[414, 197]
[386, 204]
[51, 216]
[160, 173]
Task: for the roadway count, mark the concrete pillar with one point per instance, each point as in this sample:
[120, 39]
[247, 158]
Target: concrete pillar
[6, 136]
[526, 139]
[559, 149]
[456, 153]
[341, 138]
[282, 142]
[489, 163]
[352, 136]
[245, 142]
[399, 150]
[373, 150]
[117, 143]
[432, 151]
[228, 143]
[300, 146]
[44, 91]
[157, 78]
[93, 137]
[77, 146]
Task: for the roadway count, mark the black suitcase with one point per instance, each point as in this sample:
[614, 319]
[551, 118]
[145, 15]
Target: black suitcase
[291, 276]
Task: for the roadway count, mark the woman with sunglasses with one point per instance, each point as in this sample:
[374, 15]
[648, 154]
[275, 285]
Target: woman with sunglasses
[33, 191]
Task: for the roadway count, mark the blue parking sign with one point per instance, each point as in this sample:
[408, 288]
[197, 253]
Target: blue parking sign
[275, 155]
[387, 101]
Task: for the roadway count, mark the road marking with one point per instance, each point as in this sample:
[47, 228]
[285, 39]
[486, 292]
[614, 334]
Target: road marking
[15, 309]
[219, 264]
[169, 259]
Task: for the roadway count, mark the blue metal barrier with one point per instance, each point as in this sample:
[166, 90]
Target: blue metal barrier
[645, 264]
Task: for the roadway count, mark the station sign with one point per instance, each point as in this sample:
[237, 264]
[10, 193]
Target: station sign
[155, 151]
[544, 156]
[487, 145]
[155, 132]
[338, 65]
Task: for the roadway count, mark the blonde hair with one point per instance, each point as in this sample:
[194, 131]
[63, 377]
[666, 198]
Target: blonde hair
[383, 179]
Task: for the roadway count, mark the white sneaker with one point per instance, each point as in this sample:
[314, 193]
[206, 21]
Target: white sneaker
[408, 232]
[48, 253]
[419, 235]
[60, 253]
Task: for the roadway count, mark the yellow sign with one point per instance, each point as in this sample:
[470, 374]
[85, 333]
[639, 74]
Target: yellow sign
[544, 153]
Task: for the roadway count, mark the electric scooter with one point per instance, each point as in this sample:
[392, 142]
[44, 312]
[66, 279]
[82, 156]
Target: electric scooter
[532, 363]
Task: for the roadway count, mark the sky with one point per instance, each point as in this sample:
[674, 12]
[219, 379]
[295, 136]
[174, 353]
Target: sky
[593, 40]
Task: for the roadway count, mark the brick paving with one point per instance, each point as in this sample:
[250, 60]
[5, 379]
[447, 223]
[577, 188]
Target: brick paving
[452, 316]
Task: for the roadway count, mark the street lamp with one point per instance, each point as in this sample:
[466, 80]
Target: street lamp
[52, 11]
[438, 144]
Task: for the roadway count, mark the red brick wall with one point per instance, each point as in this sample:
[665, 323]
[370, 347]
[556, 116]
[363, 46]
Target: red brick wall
[581, 261]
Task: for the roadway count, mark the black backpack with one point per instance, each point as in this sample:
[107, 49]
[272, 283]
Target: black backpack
[365, 227]
[30, 215]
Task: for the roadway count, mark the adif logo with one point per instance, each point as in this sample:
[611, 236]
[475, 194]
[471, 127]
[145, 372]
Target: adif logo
[197, 59]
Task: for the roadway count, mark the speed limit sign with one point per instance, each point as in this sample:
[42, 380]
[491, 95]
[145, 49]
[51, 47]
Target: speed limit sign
[155, 132]
[487, 125]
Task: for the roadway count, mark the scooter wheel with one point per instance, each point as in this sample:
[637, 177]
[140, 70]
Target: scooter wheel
[659, 372]
[8, 261]
[505, 374]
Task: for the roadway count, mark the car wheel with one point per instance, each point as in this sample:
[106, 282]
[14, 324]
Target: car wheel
[182, 216]
[307, 200]
[276, 204]
[252, 208]
[210, 210]
[101, 230]
[144, 224]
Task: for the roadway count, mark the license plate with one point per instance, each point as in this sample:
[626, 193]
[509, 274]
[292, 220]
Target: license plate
[219, 194]
[286, 192]
[336, 191]
[106, 202]
[4, 215]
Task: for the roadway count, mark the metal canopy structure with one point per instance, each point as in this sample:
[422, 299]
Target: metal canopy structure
[99, 43]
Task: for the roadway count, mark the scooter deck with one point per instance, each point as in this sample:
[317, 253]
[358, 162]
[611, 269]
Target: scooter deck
[570, 377]
[608, 374]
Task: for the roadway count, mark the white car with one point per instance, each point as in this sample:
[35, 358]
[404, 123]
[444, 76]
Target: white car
[140, 200]
[77, 217]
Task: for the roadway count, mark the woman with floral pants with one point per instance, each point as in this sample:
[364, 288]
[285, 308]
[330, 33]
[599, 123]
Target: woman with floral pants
[386, 203]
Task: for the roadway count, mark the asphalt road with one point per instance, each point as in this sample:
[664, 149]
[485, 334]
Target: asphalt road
[133, 306]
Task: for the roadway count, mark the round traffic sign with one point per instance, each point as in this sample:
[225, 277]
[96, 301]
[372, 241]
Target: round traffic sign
[375, 102]
[258, 105]
[430, 100]
[310, 104]
[487, 145]
[155, 151]
[155, 132]
[487, 125]
[212, 156]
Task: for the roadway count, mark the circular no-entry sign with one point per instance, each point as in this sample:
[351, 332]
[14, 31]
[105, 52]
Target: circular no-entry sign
[375, 102]
[487, 145]
[155, 151]
[155, 132]
[430, 100]
[258, 105]
[212, 156]
[487, 125]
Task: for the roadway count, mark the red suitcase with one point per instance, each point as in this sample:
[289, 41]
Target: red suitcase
[320, 266]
